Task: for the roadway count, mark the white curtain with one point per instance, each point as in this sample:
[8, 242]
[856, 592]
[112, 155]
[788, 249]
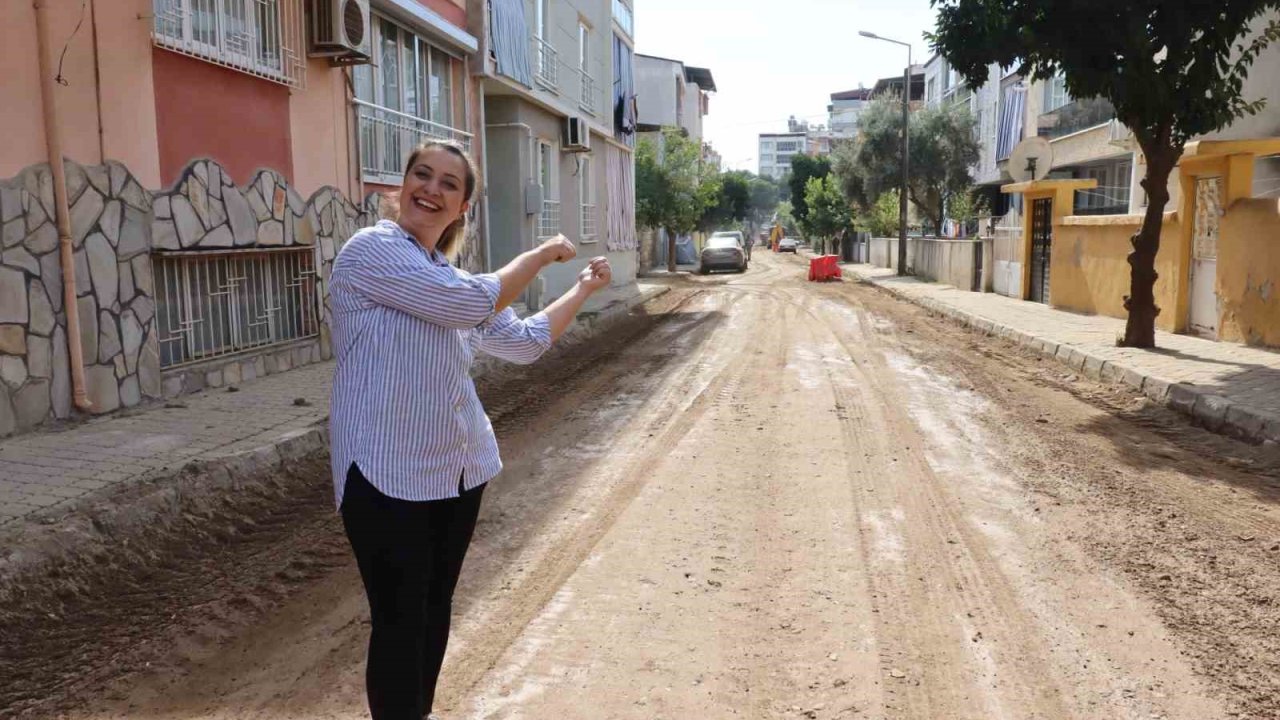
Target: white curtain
[621, 186]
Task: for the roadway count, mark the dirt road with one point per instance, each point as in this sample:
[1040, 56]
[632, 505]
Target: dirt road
[779, 500]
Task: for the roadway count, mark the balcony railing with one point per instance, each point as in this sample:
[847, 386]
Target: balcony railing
[1076, 116]
[387, 137]
[546, 62]
[549, 219]
[588, 228]
[587, 96]
[259, 37]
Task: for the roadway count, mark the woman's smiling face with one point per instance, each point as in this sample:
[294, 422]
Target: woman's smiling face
[434, 194]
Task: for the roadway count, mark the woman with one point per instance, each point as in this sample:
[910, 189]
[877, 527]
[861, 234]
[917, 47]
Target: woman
[411, 445]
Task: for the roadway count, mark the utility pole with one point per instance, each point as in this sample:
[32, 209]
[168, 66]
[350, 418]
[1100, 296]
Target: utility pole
[906, 148]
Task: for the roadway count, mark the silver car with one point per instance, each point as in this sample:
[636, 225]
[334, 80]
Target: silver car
[724, 251]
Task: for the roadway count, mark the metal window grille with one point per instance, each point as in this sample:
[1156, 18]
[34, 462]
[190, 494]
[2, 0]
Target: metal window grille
[211, 304]
[259, 37]
[589, 228]
[387, 136]
[549, 219]
[546, 64]
[587, 97]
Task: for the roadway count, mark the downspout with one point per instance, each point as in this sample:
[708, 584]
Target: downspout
[53, 144]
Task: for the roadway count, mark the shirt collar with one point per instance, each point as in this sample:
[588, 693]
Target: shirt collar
[435, 257]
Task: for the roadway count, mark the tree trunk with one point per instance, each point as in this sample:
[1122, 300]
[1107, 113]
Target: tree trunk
[1140, 328]
[671, 252]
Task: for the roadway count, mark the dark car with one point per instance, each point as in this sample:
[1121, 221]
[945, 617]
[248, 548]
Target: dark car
[724, 251]
[790, 245]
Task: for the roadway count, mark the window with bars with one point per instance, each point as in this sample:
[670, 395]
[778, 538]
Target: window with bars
[587, 199]
[259, 37]
[408, 95]
[211, 304]
[549, 178]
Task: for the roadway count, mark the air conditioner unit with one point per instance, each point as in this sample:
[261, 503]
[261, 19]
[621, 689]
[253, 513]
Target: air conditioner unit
[339, 28]
[577, 135]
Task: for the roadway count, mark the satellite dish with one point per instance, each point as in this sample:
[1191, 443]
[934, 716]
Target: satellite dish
[1031, 159]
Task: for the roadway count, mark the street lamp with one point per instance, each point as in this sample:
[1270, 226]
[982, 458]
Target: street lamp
[906, 145]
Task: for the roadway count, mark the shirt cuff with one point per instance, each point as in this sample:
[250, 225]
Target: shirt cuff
[540, 329]
[492, 286]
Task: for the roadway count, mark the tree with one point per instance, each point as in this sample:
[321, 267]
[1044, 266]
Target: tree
[762, 199]
[731, 200]
[881, 220]
[829, 211]
[804, 167]
[943, 149]
[668, 187]
[1172, 69]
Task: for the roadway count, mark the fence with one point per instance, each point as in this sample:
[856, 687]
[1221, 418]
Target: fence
[387, 136]
[258, 37]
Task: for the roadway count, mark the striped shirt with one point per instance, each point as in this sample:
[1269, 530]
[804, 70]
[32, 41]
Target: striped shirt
[406, 327]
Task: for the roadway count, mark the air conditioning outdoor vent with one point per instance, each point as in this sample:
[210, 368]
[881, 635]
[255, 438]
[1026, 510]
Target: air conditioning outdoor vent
[339, 29]
[577, 135]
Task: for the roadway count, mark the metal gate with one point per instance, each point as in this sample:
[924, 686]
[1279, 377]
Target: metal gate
[1204, 257]
[1041, 248]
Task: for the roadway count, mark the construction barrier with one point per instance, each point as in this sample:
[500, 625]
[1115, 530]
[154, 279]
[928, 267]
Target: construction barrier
[824, 268]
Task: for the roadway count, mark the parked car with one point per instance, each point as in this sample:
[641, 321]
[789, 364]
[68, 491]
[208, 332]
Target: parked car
[790, 245]
[724, 251]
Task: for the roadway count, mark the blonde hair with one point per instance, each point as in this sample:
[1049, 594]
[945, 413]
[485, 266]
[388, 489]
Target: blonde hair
[454, 236]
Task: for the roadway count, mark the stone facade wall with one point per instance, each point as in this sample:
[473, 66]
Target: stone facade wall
[116, 226]
[110, 229]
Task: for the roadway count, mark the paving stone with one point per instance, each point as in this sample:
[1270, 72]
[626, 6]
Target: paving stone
[42, 239]
[60, 393]
[184, 217]
[74, 177]
[164, 235]
[271, 233]
[84, 280]
[39, 356]
[142, 275]
[88, 311]
[18, 257]
[134, 195]
[102, 388]
[42, 316]
[127, 290]
[84, 216]
[161, 207]
[244, 225]
[131, 336]
[119, 175]
[199, 198]
[110, 221]
[13, 296]
[103, 267]
[13, 370]
[219, 238]
[108, 337]
[10, 202]
[130, 394]
[135, 233]
[13, 232]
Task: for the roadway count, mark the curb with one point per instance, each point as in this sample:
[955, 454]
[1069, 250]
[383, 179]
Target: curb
[1209, 410]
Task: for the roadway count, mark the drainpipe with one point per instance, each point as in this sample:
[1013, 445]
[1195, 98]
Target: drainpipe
[53, 143]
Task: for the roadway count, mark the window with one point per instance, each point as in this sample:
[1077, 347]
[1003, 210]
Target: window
[211, 304]
[587, 198]
[789, 146]
[548, 174]
[587, 94]
[258, 37]
[1055, 94]
[623, 16]
[622, 98]
[407, 96]
[1111, 197]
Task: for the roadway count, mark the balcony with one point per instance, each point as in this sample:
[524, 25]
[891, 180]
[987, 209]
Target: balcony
[587, 96]
[387, 136]
[549, 219]
[546, 62]
[1074, 117]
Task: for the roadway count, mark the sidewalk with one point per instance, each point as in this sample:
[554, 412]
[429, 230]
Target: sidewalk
[250, 427]
[1226, 387]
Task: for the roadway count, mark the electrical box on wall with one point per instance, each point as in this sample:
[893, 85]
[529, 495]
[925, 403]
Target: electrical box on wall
[532, 198]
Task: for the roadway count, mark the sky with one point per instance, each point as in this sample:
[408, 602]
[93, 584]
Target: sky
[771, 60]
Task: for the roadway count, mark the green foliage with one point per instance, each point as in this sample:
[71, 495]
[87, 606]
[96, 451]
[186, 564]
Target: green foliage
[942, 151]
[787, 218]
[670, 190]
[804, 167]
[881, 220]
[829, 211]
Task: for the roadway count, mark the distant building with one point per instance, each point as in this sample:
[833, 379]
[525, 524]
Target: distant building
[777, 149]
[893, 85]
[845, 110]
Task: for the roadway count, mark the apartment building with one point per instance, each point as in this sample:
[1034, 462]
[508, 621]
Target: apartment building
[675, 95]
[845, 109]
[776, 151]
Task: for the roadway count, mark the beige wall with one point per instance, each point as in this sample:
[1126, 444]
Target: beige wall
[322, 130]
[1249, 271]
[124, 65]
[1089, 270]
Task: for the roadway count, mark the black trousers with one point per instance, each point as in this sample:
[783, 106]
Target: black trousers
[410, 555]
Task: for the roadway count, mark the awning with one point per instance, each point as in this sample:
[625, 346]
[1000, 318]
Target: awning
[419, 18]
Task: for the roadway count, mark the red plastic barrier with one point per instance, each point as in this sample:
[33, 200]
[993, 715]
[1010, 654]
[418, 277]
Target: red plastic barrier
[824, 268]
